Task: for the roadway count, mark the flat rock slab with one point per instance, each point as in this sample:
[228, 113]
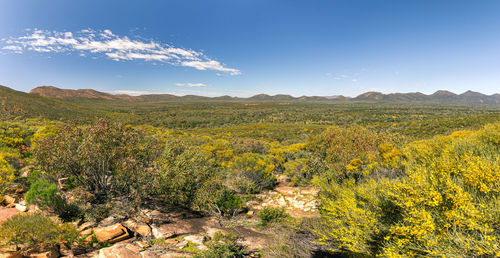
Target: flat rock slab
[183, 227]
[111, 234]
[6, 213]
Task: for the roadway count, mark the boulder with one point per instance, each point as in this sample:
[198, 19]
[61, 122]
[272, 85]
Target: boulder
[118, 251]
[108, 221]
[6, 213]
[8, 200]
[21, 208]
[51, 253]
[196, 239]
[86, 226]
[111, 234]
[183, 227]
[134, 248]
[16, 254]
[143, 229]
[142, 244]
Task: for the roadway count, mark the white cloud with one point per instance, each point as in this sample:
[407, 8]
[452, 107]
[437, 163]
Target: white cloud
[110, 45]
[190, 84]
[354, 80]
[16, 49]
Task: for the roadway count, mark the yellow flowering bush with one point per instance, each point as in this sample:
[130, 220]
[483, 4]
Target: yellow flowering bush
[441, 199]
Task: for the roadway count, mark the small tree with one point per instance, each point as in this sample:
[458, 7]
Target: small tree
[109, 159]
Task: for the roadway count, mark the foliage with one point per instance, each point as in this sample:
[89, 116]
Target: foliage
[222, 245]
[271, 214]
[215, 198]
[252, 173]
[108, 158]
[36, 231]
[46, 195]
[183, 170]
[6, 174]
[443, 203]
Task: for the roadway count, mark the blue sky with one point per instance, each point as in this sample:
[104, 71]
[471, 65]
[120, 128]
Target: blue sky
[245, 47]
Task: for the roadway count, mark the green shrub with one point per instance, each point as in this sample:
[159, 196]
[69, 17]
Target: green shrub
[46, 195]
[183, 171]
[36, 231]
[271, 214]
[6, 175]
[214, 197]
[252, 173]
[109, 159]
[443, 203]
[223, 245]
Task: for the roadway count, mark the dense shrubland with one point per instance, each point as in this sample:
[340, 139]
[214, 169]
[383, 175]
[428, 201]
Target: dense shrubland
[430, 197]
[385, 189]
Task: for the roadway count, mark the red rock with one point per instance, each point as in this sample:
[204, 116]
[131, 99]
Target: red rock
[143, 230]
[8, 200]
[118, 251]
[6, 213]
[111, 234]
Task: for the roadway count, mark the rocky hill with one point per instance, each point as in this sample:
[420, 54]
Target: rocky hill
[439, 97]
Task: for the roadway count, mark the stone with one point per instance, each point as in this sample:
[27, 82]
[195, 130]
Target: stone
[143, 230]
[131, 224]
[12, 205]
[86, 232]
[183, 227]
[21, 208]
[108, 221]
[182, 244]
[8, 200]
[196, 239]
[16, 254]
[134, 248]
[250, 213]
[25, 172]
[118, 251]
[65, 251]
[171, 241]
[6, 213]
[111, 234]
[52, 253]
[86, 225]
[142, 244]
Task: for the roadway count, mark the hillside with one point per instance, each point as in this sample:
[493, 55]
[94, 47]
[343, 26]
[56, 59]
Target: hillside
[439, 97]
[20, 104]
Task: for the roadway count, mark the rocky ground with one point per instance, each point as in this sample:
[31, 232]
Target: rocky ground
[167, 233]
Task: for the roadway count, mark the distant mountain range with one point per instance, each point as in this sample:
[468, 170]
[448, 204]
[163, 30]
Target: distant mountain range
[439, 97]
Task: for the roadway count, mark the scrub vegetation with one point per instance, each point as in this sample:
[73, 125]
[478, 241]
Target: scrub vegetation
[393, 180]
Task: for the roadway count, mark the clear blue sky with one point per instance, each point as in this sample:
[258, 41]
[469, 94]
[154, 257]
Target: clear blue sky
[245, 47]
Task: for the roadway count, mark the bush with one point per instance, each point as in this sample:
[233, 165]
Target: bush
[252, 173]
[183, 170]
[222, 245]
[46, 195]
[271, 214]
[109, 159]
[341, 147]
[6, 175]
[215, 198]
[445, 203]
[36, 231]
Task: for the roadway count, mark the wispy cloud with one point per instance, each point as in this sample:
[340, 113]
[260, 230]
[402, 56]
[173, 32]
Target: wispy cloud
[118, 48]
[190, 84]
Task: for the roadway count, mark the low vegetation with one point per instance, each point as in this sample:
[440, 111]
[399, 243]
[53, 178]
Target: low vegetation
[393, 181]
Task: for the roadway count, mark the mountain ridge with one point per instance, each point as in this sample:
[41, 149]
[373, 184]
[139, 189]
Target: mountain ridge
[468, 97]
